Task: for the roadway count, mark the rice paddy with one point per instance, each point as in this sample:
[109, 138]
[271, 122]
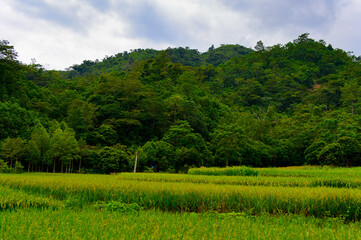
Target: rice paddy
[280, 203]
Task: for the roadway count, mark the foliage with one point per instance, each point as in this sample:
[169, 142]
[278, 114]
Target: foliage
[156, 154]
[312, 152]
[4, 168]
[287, 104]
[112, 160]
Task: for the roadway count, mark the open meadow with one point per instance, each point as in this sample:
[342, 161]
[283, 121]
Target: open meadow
[274, 203]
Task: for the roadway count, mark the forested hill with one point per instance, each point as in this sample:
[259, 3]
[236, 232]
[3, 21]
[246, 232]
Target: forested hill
[185, 56]
[289, 104]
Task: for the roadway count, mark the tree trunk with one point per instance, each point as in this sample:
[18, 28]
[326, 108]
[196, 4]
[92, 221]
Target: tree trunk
[79, 165]
[54, 165]
[135, 163]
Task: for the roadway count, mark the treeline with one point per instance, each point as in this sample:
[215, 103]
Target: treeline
[290, 104]
[185, 56]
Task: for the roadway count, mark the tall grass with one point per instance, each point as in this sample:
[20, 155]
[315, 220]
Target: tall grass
[228, 171]
[184, 196]
[311, 171]
[326, 181]
[11, 199]
[299, 171]
[89, 224]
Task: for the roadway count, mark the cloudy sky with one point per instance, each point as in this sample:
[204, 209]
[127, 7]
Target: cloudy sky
[60, 33]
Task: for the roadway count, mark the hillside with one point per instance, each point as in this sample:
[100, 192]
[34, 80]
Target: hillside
[289, 104]
[185, 56]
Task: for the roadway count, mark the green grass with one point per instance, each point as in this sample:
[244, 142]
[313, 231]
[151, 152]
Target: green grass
[311, 171]
[90, 224]
[325, 181]
[283, 203]
[299, 171]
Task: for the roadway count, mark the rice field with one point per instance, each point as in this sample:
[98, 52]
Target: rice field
[89, 224]
[280, 203]
[15, 199]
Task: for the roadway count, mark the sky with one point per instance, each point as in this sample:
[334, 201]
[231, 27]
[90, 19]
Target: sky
[61, 33]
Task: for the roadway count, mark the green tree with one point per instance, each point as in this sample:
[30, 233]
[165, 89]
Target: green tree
[157, 154]
[113, 159]
[15, 121]
[259, 46]
[38, 146]
[227, 141]
[81, 116]
[7, 52]
[105, 135]
[12, 150]
[312, 152]
[331, 154]
[351, 149]
[176, 107]
[4, 168]
[350, 94]
[63, 148]
[182, 137]
[9, 71]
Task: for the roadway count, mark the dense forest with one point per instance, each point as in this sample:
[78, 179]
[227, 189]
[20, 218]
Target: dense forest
[288, 104]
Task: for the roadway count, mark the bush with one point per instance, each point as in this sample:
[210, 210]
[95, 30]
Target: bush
[19, 168]
[4, 168]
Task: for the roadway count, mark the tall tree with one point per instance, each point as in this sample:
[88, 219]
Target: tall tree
[63, 148]
[12, 150]
[38, 146]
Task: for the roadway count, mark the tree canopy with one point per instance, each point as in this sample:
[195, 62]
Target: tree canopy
[288, 104]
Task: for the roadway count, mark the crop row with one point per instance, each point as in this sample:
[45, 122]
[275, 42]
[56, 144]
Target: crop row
[327, 181]
[300, 171]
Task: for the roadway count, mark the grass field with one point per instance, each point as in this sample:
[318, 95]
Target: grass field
[151, 224]
[278, 203]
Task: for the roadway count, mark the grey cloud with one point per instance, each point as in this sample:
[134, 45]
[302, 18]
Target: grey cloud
[41, 10]
[148, 22]
[277, 14]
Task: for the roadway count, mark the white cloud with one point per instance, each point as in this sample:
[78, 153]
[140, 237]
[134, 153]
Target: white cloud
[63, 33]
[61, 46]
[345, 33]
